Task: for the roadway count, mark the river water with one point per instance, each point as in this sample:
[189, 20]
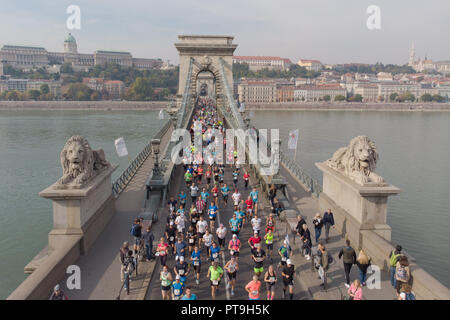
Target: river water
[414, 150]
[30, 143]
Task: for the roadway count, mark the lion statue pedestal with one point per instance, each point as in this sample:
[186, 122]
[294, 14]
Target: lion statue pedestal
[82, 198]
[354, 192]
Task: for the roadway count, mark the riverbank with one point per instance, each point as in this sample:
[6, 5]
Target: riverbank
[348, 106]
[83, 105]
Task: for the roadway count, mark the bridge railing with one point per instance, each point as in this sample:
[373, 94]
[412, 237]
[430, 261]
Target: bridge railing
[124, 179]
[236, 120]
[182, 114]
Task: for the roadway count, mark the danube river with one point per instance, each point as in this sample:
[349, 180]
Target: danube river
[30, 144]
[414, 150]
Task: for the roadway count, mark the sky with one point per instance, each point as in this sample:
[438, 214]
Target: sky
[332, 31]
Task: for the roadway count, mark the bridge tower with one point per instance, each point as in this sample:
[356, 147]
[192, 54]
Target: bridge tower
[205, 52]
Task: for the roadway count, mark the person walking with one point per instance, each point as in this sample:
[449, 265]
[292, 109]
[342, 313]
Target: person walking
[363, 263]
[58, 294]
[272, 194]
[324, 264]
[349, 260]
[307, 243]
[253, 288]
[300, 231]
[355, 291]
[270, 278]
[393, 258]
[232, 267]
[328, 222]
[402, 273]
[278, 207]
[149, 237]
[123, 252]
[318, 224]
[166, 282]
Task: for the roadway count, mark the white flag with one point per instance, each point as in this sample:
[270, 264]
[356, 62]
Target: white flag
[121, 148]
[287, 240]
[161, 114]
[293, 139]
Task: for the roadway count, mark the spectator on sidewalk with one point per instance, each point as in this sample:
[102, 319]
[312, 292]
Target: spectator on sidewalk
[355, 290]
[318, 224]
[123, 251]
[307, 243]
[328, 221]
[349, 259]
[363, 263]
[149, 237]
[402, 272]
[299, 229]
[406, 293]
[324, 263]
[58, 294]
[393, 258]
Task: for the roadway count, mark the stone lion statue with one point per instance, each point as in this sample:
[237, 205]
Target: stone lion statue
[80, 163]
[357, 161]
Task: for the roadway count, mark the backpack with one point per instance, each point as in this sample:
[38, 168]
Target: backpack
[410, 296]
[401, 273]
[133, 230]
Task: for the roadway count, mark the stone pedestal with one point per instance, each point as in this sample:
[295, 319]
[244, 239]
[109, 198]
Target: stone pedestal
[81, 211]
[356, 207]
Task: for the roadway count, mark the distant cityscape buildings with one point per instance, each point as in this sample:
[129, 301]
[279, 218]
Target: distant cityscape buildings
[28, 58]
[427, 64]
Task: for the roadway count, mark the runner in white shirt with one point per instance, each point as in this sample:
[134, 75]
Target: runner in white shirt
[179, 221]
[202, 225]
[256, 223]
[208, 240]
[236, 198]
[221, 234]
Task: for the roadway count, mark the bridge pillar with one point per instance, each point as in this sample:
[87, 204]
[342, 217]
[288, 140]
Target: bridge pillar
[206, 52]
[355, 207]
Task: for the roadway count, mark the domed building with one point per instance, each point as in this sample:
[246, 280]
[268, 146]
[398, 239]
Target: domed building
[70, 44]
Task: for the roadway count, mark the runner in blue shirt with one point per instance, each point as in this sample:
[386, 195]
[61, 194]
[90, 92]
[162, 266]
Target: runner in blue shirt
[215, 249]
[197, 263]
[177, 288]
[240, 215]
[189, 295]
[254, 195]
[225, 191]
[182, 197]
[204, 195]
[212, 213]
[234, 225]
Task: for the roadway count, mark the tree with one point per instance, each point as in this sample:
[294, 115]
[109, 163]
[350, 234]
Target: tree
[339, 97]
[406, 96]
[12, 95]
[140, 90]
[326, 98]
[78, 92]
[356, 98]
[426, 97]
[393, 96]
[438, 98]
[44, 88]
[95, 96]
[33, 94]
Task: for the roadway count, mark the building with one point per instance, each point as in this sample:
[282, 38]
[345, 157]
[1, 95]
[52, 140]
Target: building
[17, 85]
[387, 88]
[285, 94]
[257, 63]
[94, 83]
[311, 65]
[384, 76]
[318, 92]
[27, 58]
[256, 90]
[53, 86]
[115, 88]
[369, 92]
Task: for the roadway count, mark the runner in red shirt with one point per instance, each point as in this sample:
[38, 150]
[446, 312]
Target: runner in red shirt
[248, 212]
[254, 240]
[246, 179]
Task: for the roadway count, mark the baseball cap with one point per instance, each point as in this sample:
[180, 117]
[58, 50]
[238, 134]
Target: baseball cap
[234, 236]
[56, 288]
[289, 261]
[178, 277]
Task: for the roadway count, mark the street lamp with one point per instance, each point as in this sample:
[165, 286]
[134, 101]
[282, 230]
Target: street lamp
[155, 151]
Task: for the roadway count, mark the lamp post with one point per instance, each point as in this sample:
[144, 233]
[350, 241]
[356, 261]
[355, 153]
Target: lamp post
[155, 151]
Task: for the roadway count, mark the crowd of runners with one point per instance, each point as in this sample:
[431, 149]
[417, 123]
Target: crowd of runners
[204, 247]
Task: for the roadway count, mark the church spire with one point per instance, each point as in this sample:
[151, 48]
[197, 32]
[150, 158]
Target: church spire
[412, 55]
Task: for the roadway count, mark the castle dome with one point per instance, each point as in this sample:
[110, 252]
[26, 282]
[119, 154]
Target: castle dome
[69, 38]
